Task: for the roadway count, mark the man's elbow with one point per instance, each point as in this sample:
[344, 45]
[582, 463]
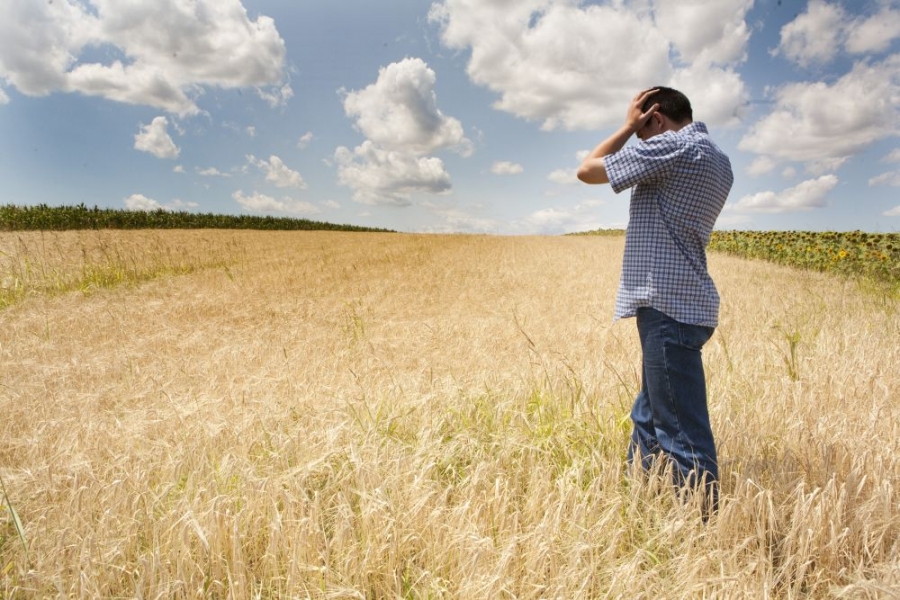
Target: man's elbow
[582, 174]
[592, 173]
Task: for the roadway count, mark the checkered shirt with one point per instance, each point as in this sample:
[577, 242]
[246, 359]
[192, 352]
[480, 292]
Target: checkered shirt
[681, 180]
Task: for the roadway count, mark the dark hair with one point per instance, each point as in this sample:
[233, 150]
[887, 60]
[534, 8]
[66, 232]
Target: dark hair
[672, 103]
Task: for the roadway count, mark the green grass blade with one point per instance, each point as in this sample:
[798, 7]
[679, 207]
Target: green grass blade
[17, 522]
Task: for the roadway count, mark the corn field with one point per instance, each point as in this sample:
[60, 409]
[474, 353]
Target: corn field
[64, 218]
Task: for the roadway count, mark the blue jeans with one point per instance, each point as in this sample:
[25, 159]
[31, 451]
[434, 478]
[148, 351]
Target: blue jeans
[670, 414]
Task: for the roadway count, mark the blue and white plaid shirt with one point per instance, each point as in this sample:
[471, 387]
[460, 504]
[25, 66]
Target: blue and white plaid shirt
[681, 180]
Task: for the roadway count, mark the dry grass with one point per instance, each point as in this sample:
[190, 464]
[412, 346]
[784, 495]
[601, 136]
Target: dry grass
[335, 415]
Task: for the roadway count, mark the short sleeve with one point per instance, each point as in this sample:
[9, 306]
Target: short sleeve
[644, 162]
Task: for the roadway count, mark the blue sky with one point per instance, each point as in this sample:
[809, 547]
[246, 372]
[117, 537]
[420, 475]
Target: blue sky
[443, 115]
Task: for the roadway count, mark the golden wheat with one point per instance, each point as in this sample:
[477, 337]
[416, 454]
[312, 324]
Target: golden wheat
[334, 415]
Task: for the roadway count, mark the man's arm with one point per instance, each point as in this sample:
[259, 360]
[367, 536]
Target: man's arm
[593, 169]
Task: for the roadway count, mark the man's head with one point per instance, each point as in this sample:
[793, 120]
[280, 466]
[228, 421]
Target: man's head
[672, 104]
[674, 112]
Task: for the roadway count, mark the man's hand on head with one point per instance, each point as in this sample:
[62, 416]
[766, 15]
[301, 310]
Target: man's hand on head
[636, 117]
[593, 168]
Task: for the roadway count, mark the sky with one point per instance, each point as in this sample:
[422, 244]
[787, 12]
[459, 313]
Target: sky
[467, 116]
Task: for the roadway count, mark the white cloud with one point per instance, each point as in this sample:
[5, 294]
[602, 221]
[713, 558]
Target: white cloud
[814, 36]
[874, 34]
[891, 178]
[564, 176]
[717, 94]
[258, 202]
[178, 169]
[823, 124]
[506, 167]
[154, 138]
[761, 165]
[389, 177]
[162, 53]
[729, 219]
[457, 220]
[177, 204]
[305, 140]
[547, 221]
[705, 32]
[277, 172]
[279, 96]
[804, 196]
[251, 130]
[892, 157]
[817, 36]
[142, 202]
[399, 116]
[4, 98]
[331, 204]
[556, 220]
[561, 63]
[894, 212]
[399, 111]
[212, 172]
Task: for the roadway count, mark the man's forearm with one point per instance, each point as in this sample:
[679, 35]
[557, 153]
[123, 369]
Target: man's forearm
[613, 143]
[593, 169]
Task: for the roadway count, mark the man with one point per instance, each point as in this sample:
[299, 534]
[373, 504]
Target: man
[680, 182]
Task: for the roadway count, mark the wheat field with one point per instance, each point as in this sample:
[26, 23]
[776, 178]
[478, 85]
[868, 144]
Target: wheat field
[353, 415]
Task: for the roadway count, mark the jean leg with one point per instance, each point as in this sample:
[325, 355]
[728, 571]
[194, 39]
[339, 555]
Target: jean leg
[643, 436]
[676, 386]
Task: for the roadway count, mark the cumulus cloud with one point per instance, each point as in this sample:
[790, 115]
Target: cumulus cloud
[399, 111]
[305, 140]
[873, 34]
[161, 53]
[212, 172]
[894, 212]
[4, 98]
[459, 220]
[554, 220]
[142, 202]
[761, 165]
[399, 116]
[564, 176]
[506, 167]
[279, 96]
[804, 196]
[154, 138]
[891, 178]
[561, 63]
[818, 36]
[277, 172]
[558, 220]
[389, 177]
[893, 156]
[813, 37]
[704, 32]
[258, 202]
[822, 124]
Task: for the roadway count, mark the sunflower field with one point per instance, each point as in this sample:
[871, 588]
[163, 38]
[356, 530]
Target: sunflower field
[875, 256]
